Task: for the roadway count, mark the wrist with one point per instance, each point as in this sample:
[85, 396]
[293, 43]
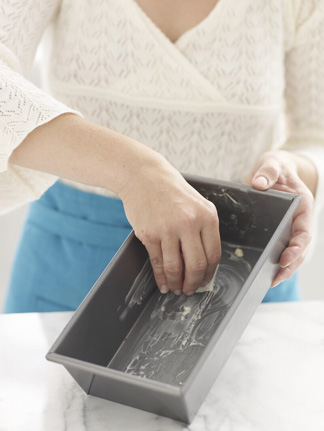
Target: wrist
[145, 169]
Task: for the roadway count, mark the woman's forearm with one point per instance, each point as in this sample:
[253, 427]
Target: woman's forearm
[79, 150]
[169, 217]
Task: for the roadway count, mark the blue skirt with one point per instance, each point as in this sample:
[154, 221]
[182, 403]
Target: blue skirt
[68, 239]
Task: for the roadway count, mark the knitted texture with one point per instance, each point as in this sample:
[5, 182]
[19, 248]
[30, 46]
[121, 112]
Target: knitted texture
[211, 103]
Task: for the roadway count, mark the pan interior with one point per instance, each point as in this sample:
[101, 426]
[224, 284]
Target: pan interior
[172, 331]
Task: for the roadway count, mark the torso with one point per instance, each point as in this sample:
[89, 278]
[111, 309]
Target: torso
[174, 18]
[205, 91]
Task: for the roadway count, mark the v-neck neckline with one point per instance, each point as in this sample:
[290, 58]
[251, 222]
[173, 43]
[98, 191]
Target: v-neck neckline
[176, 52]
[185, 34]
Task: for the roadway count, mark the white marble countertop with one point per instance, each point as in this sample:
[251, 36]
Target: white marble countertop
[273, 380]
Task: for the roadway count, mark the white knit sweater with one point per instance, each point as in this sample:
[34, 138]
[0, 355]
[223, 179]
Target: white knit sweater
[211, 103]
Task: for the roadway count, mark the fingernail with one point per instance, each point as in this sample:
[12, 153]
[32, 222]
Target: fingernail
[204, 283]
[177, 292]
[285, 266]
[164, 288]
[261, 182]
[275, 285]
[190, 293]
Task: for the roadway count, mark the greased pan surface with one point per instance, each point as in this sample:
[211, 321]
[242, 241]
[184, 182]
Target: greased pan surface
[161, 353]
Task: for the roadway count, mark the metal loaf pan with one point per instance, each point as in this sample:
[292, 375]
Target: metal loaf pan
[162, 353]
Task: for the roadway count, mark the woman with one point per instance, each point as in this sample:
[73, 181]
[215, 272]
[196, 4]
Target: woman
[199, 84]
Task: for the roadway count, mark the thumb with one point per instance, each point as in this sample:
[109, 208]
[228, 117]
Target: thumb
[266, 176]
[260, 181]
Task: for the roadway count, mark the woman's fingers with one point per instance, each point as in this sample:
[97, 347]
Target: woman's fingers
[278, 170]
[176, 224]
[201, 249]
[186, 271]
[156, 258]
[185, 253]
[182, 265]
[172, 264]
[210, 236]
[266, 174]
[166, 261]
[294, 254]
[285, 273]
[195, 262]
[300, 237]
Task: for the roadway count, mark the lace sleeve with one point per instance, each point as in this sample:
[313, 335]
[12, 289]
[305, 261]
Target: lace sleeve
[23, 106]
[304, 92]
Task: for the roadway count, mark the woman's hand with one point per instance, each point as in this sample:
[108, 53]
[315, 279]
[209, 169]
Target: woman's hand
[174, 222]
[177, 225]
[281, 170]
